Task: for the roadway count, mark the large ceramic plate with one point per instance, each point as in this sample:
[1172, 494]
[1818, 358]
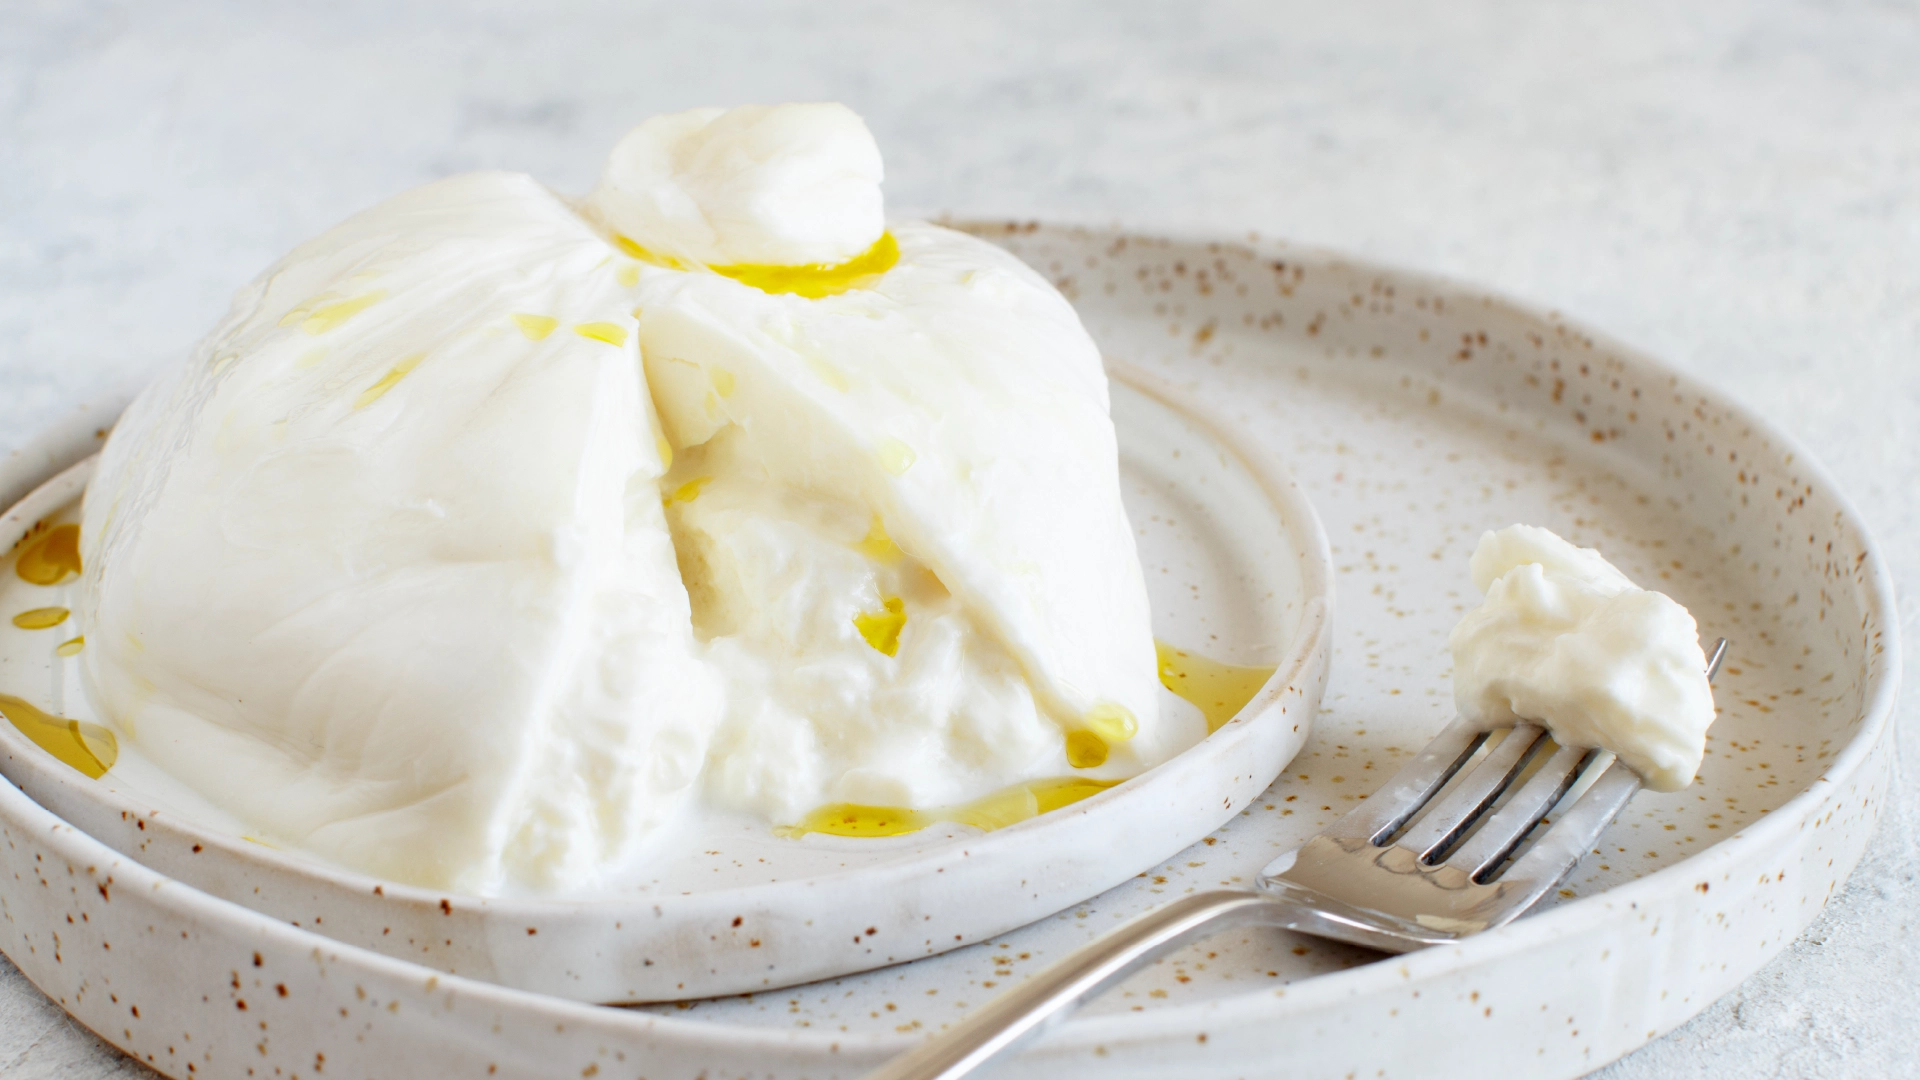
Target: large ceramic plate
[1238, 572]
[1416, 413]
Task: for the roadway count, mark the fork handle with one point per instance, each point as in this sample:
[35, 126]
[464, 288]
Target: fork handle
[1052, 995]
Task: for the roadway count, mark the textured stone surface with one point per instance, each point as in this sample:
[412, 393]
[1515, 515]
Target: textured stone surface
[1735, 186]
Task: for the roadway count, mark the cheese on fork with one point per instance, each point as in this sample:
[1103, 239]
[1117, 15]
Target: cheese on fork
[1564, 639]
[383, 568]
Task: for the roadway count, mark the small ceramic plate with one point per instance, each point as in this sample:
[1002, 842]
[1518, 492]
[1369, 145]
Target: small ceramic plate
[1416, 413]
[1237, 570]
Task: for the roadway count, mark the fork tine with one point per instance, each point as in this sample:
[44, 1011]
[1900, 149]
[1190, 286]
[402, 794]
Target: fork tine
[1454, 814]
[1402, 797]
[1713, 662]
[1554, 853]
[1510, 824]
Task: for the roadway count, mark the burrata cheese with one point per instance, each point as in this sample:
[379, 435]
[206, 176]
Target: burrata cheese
[492, 531]
[1565, 640]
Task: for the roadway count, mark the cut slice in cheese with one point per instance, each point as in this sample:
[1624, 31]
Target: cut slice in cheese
[959, 400]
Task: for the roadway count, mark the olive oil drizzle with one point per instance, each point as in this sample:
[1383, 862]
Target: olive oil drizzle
[610, 333]
[41, 618]
[534, 327]
[881, 629]
[1219, 690]
[877, 545]
[1009, 806]
[1085, 749]
[88, 748]
[812, 281]
[321, 319]
[50, 558]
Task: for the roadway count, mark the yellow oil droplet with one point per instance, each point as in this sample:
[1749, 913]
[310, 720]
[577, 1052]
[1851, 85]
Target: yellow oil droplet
[611, 333]
[665, 450]
[388, 381]
[722, 381]
[829, 374]
[88, 748]
[311, 358]
[1114, 723]
[1009, 806]
[73, 647]
[628, 276]
[852, 819]
[877, 545]
[50, 558]
[332, 315]
[818, 280]
[534, 327]
[41, 618]
[1085, 750]
[1219, 690]
[895, 456]
[690, 490]
[882, 628]
[634, 250]
[299, 314]
[220, 362]
[1067, 790]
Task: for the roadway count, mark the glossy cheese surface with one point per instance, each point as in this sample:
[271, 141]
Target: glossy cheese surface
[385, 575]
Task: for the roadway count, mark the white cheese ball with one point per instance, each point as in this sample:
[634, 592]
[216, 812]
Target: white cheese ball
[1564, 639]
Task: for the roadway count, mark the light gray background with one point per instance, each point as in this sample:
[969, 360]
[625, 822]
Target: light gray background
[1735, 186]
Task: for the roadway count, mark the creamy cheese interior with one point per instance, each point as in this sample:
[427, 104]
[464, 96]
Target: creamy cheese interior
[1564, 639]
[489, 530]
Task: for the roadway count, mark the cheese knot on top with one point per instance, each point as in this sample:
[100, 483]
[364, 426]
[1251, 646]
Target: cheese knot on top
[781, 185]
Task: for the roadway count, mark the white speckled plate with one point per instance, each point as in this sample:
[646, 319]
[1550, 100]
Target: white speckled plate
[1238, 571]
[1416, 413]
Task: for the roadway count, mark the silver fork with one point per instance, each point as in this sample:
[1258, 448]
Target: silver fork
[1396, 874]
